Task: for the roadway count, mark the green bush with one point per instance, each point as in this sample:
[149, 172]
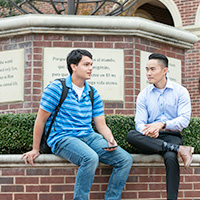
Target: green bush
[16, 132]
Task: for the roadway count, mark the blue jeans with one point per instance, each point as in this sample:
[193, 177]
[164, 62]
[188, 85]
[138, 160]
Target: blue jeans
[86, 152]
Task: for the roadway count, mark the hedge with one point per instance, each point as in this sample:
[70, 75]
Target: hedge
[16, 132]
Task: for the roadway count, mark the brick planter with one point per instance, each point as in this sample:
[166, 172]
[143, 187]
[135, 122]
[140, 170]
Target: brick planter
[52, 178]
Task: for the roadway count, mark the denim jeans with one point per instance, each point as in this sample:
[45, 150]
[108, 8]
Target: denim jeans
[86, 152]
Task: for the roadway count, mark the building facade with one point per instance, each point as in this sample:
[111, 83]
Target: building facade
[181, 14]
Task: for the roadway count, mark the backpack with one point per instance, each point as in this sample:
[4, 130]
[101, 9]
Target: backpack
[44, 148]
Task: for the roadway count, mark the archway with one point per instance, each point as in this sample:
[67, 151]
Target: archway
[172, 16]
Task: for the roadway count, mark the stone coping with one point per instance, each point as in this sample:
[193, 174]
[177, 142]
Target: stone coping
[50, 160]
[96, 25]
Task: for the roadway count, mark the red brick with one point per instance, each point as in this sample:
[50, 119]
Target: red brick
[192, 194]
[93, 38]
[74, 37]
[41, 44]
[37, 50]
[123, 45]
[50, 196]
[196, 171]
[186, 186]
[37, 188]
[96, 195]
[37, 84]
[132, 179]
[27, 180]
[113, 38]
[95, 187]
[149, 195]
[37, 63]
[37, 71]
[62, 44]
[150, 178]
[6, 180]
[70, 180]
[60, 188]
[37, 57]
[129, 195]
[192, 178]
[12, 172]
[83, 44]
[68, 196]
[196, 186]
[17, 106]
[6, 197]
[155, 186]
[101, 179]
[103, 45]
[157, 170]
[25, 197]
[128, 58]
[37, 77]
[33, 172]
[136, 186]
[38, 37]
[57, 171]
[12, 188]
[52, 37]
[3, 107]
[50, 180]
[125, 112]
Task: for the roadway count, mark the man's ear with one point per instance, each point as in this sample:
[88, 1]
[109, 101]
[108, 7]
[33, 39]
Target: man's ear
[166, 70]
[74, 67]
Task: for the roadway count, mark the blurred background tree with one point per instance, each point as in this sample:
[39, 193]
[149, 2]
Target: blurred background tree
[7, 9]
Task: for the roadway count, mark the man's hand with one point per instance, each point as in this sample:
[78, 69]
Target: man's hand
[152, 130]
[30, 156]
[111, 143]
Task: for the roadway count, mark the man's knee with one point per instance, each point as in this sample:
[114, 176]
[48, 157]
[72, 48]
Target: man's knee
[131, 136]
[92, 160]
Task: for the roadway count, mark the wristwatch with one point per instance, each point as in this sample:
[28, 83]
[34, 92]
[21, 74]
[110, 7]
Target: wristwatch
[164, 124]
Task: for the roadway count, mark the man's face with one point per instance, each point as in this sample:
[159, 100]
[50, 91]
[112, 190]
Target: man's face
[84, 68]
[155, 71]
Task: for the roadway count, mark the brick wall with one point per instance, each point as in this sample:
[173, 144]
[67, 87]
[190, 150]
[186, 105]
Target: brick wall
[35, 43]
[188, 12]
[55, 180]
[191, 69]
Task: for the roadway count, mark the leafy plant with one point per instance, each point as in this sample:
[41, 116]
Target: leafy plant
[16, 132]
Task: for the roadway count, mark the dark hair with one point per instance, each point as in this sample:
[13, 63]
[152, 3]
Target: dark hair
[160, 57]
[75, 56]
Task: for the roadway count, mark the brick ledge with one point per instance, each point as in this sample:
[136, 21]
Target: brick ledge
[45, 160]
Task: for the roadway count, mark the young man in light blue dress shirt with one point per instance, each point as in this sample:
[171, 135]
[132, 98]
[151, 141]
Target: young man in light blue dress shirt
[163, 110]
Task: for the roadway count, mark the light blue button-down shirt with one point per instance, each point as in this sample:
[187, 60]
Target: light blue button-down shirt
[171, 105]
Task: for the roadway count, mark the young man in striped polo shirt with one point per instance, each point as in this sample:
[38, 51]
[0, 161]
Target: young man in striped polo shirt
[72, 136]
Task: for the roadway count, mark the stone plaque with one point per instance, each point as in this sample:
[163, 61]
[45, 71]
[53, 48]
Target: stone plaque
[174, 69]
[12, 76]
[107, 74]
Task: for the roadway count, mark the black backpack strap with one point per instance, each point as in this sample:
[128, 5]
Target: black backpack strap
[62, 98]
[91, 93]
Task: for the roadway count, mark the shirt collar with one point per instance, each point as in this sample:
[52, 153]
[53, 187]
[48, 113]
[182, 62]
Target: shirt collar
[68, 81]
[168, 85]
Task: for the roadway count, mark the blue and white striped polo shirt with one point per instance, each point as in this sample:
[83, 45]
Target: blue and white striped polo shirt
[75, 116]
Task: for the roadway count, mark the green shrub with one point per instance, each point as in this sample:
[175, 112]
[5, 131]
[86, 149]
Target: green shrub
[16, 132]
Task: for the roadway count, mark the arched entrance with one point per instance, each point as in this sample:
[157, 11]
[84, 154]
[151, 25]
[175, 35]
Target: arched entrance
[163, 11]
